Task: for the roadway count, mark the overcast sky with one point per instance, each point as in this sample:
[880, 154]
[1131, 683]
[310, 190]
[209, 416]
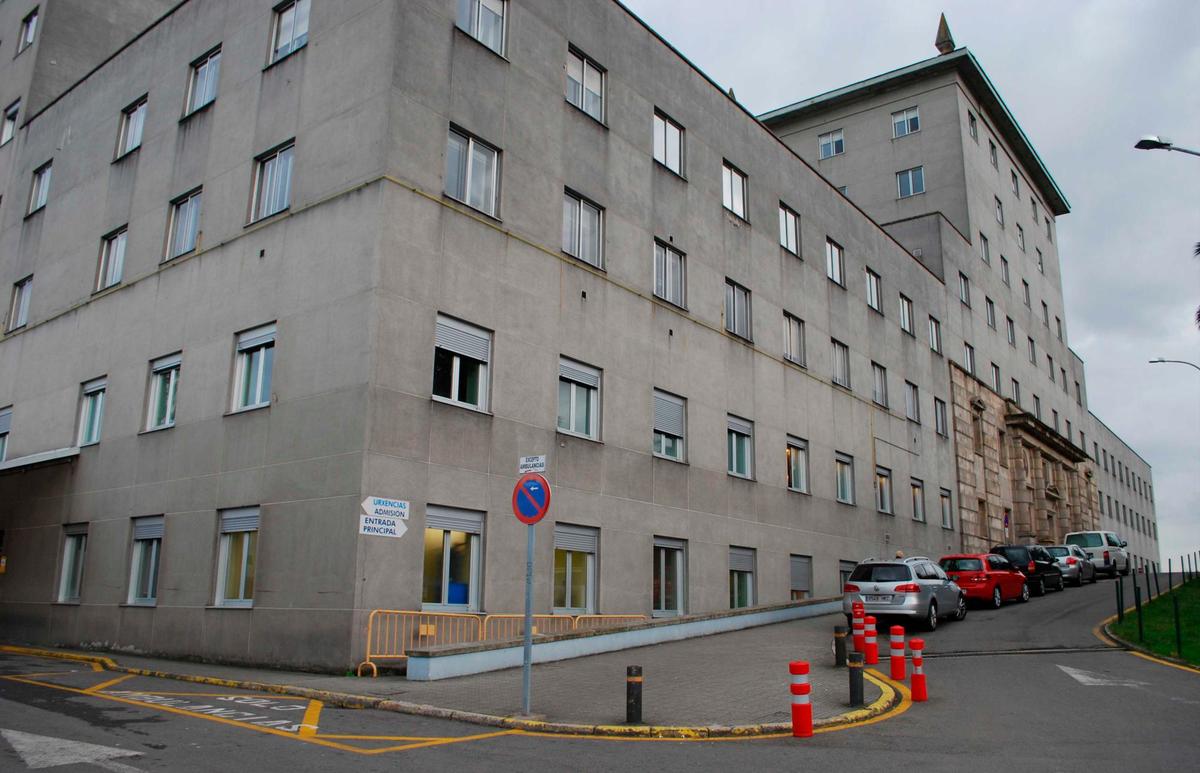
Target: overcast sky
[1085, 80]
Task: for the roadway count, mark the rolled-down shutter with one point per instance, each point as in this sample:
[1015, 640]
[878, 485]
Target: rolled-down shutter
[740, 425]
[240, 519]
[453, 519]
[741, 559]
[460, 338]
[580, 374]
[668, 414]
[150, 527]
[75, 528]
[252, 339]
[5, 420]
[801, 573]
[167, 363]
[577, 538]
[669, 542]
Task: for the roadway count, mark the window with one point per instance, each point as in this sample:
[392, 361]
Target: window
[741, 577]
[733, 190]
[670, 425]
[202, 84]
[1045, 314]
[883, 490]
[484, 21]
[273, 182]
[133, 120]
[575, 549]
[789, 229]
[873, 292]
[1058, 327]
[1025, 292]
[843, 470]
[737, 309]
[91, 411]
[291, 28]
[1011, 329]
[1069, 436]
[1033, 209]
[39, 191]
[1078, 394]
[183, 227]
[164, 388]
[917, 489]
[912, 402]
[5, 426]
[28, 31]
[999, 211]
[910, 182]
[669, 274]
[18, 308]
[1016, 186]
[450, 575]
[1037, 407]
[668, 142]
[1004, 276]
[831, 144]
[835, 262]
[841, 363]
[801, 570]
[1054, 414]
[996, 378]
[985, 249]
[935, 335]
[947, 514]
[112, 259]
[1032, 351]
[990, 309]
[879, 384]
[1041, 262]
[255, 363]
[906, 315]
[940, 422]
[1049, 236]
[143, 569]
[964, 289]
[8, 129]
[845, 569]
[585, 84]
[740, 435]
[583, 224]
[578, 399]
[793, 339]
[670, 577]
[1050, 366]
[992, 155]
[74, 546]
[972, 126]
[239, 551]
[1063, 380]
[969, 358]
[1020, 237]
[906, 122]
[472, 172]
[461, 356]
[797, 464]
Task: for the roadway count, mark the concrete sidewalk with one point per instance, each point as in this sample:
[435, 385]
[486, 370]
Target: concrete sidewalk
[729, 679]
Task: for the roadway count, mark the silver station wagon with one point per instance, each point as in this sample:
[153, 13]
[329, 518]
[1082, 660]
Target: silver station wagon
[913, 587]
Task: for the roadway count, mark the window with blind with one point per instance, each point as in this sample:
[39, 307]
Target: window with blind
[239, 552]
[670, 426]
[461, 359]
[575, 550]
[143, 570]
[578, 399]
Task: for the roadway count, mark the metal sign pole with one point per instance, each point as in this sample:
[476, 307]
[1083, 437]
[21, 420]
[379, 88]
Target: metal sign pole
[527, 660]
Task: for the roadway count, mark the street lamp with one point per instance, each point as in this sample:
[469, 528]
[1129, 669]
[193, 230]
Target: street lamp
[1154, 142]
[1181, 362]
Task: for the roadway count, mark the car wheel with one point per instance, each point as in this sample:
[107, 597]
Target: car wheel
[1024, 592]
[931, 619]
[1095, 579]
[961, 612]
[1062, 585]
[1041, 588]
[1079, 580]
[997, 599]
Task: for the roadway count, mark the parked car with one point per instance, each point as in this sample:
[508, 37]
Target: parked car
[913, 587]
[1039, 567]
[986, 577]
[1105, 548]
[1074, 563]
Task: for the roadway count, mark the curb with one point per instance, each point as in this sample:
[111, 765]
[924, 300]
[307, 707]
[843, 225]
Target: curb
[1137, 649]
[889, 699]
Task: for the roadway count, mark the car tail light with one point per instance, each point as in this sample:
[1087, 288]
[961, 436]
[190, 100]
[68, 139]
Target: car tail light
[1072, 561]
[911, 587]
[1106, 556]
[848, 588]
[979, 578]
[1032, 567]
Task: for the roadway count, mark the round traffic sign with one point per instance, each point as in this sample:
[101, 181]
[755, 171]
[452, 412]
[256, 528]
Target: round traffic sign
[531, 498]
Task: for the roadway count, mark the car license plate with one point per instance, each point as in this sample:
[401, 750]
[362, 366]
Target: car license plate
[878, 599]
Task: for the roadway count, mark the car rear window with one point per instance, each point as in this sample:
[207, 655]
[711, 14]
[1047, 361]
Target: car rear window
[1015, 555]
[1088, 539]
[881, 573]
[1058, 552]
[961, 564]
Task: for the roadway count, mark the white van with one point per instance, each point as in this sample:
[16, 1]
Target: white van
[1105, 548]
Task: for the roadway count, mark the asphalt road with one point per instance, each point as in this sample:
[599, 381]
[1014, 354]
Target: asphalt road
[1056, 699]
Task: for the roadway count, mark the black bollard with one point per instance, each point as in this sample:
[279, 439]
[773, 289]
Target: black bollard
[633, 695]
[1178, 630]
[1157, 592]
[1120, 599]
[839, 645]
[1137, 602]
[855, 662]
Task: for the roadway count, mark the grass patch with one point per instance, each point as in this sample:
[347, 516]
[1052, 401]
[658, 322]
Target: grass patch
[1158, 622]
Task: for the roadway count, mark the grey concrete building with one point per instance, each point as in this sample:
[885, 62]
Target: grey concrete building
[294, 255]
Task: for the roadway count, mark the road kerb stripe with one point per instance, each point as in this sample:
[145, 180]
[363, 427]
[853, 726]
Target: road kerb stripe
[1105, 634]
[111, 682]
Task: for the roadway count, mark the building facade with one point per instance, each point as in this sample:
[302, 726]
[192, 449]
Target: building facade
[269, 259]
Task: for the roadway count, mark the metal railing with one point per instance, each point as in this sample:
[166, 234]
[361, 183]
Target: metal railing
[505, 627]
[590, 622]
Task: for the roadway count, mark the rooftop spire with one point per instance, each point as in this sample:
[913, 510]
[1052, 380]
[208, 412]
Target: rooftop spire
[944, 42]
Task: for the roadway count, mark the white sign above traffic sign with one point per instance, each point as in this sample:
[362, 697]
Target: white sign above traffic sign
[531, 464]
[385, 508]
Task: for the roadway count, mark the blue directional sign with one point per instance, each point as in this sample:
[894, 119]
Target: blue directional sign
[531, 498]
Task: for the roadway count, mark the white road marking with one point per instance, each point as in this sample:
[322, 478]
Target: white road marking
[42, 751]
[1093, 679]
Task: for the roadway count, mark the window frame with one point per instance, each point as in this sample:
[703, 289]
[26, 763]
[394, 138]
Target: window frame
[132, 128]
[39, 189]
[994, 154]
[917, 494]
[211, 82]
[935, 334]
[913, 176]
[681, 444]
[794, 344]
[93, 395]
[879, 385]
[835, 262]
[972, 126]
[110, 266]
[735, 194]
[267, 174]
[843, 463]
[475, 7]
[577, 390]
[985, 249]
[144, 550]
[174, 213]
[836, 139]
[669, 251]
[908, 116]
[667, 122]
[74, 558]
[474, 543]
[29, 28]
[874, 290]
[469, 173]
[164, 375]
[906, 315]
[789, 229]
[990, 312]
[941, 420]
[964, 289]
[733, 293]
[884, 502]
[259, 340]
[580, 203]
[1004, 274]
[969, 358]
[18, 306]
[8, 122]
[946, 504]
[796, 456]
[295, 42]
[912, 402]
[658, 605]
[585, 61]
[841, 357]
[484, 375]
[248, 562]
[1021, 237]
[999, 211]
[739, 447]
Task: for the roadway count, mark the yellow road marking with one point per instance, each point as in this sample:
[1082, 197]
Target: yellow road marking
[1099, 633]
[98, 687]
[96, 666]
[308, 725]
[351, 737]
[441, 742]
[201, 694]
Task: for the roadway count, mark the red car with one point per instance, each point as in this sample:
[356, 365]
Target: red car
[986, 577]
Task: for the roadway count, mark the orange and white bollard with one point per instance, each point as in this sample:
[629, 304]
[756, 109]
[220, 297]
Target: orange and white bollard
[802, 723]
[858, 627]
[871, 651]
[898, 653]
[919, 692]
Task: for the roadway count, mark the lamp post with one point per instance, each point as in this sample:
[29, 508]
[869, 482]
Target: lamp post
[1154, 142]
[1181, 362]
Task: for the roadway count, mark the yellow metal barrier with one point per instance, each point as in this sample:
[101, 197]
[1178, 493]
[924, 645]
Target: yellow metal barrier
[505, 627]
[391, 633]
[588, 622]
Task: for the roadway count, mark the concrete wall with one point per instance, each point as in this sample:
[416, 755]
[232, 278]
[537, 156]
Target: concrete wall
[1127, 489]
